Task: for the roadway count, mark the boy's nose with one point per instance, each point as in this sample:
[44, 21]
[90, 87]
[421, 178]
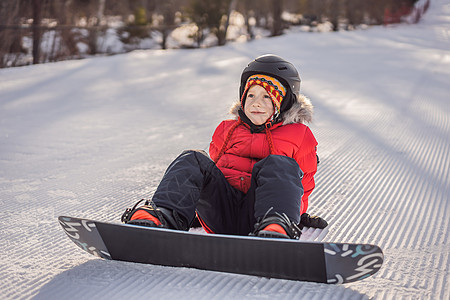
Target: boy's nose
[258, 101]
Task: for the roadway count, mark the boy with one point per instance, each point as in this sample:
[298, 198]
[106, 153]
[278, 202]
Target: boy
[261, 168]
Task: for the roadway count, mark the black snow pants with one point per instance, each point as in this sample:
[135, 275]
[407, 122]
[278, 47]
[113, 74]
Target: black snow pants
[193, 183]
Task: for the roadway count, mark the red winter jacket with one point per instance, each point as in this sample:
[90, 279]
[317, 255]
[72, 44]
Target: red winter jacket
[290, 138]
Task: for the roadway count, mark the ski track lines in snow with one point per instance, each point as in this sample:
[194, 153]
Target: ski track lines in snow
[383, 177]
[404, 190]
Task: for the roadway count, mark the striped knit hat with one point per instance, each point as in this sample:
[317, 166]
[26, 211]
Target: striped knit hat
[273, 87]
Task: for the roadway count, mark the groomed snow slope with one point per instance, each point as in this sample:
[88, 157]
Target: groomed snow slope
[88, 138]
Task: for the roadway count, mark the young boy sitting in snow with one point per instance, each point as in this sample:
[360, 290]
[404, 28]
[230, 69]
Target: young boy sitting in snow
[261, 170]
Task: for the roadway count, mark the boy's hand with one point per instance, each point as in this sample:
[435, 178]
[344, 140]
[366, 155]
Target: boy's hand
[312, 221]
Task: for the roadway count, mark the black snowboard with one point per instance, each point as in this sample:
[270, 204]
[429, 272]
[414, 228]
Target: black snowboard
[273, 258]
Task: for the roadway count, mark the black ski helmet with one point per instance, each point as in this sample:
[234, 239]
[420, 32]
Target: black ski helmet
[279, 68]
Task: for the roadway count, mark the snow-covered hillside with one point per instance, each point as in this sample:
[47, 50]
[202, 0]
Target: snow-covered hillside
[88, 138]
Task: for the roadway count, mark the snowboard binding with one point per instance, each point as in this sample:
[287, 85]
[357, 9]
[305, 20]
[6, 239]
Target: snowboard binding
[292, 231]
[149, 215]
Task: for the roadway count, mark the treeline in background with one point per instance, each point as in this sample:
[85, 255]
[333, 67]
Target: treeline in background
[39, 31]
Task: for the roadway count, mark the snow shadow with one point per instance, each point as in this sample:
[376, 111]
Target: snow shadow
[100, 279]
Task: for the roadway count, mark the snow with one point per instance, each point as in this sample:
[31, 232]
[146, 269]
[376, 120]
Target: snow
[88, 138]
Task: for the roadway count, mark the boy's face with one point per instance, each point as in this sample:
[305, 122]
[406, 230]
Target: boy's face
[258, 105]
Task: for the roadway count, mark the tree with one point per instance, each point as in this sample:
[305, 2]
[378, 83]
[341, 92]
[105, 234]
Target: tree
[355, 11]
[10, 32]
[209, 15]
[277, 23]
[335, 13]
[168, 10]
[37, 13]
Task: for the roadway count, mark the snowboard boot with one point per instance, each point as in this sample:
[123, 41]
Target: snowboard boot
[151, 216]
[312, 221]
[277, 226]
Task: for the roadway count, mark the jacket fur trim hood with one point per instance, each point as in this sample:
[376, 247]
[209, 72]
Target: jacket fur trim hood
[300, 112]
